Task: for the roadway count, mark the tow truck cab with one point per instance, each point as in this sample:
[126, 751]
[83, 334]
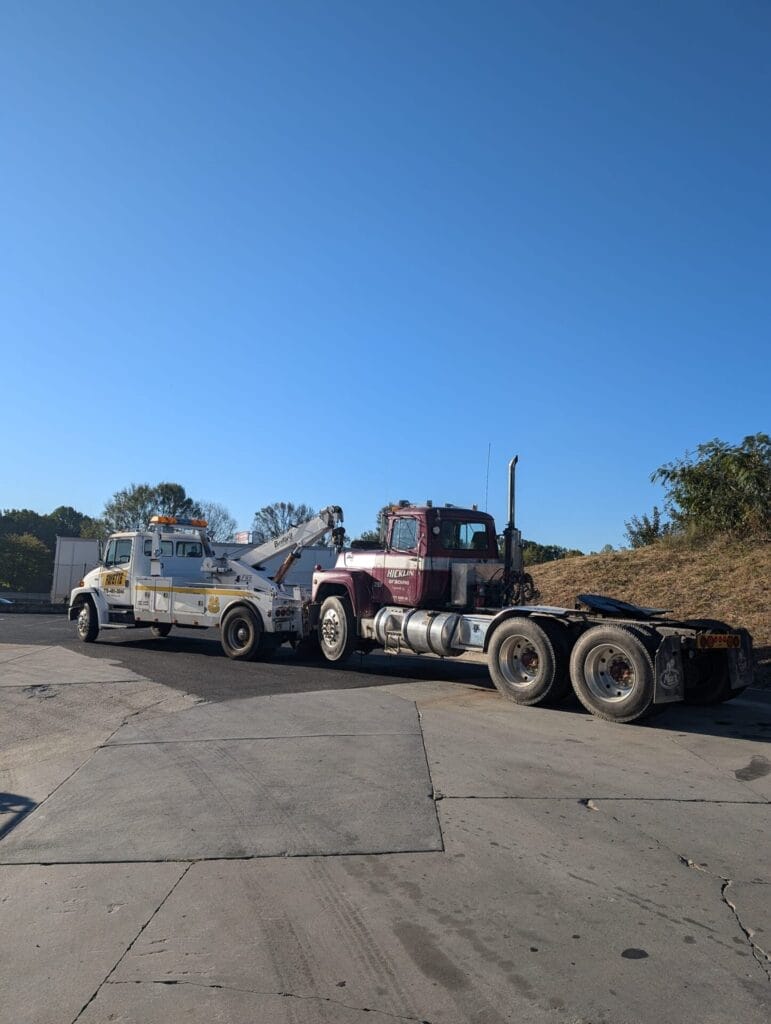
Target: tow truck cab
[167, 550]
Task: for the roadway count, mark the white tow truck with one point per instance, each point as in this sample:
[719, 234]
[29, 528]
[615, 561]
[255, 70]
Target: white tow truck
[169, 575]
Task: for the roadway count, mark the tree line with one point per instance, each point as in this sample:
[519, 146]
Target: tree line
[718, 489]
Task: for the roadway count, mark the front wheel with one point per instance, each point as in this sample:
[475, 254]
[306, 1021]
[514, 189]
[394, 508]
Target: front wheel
[87, 623]
[161, 629]
[337, 629]
[528, 661]
[612, 673]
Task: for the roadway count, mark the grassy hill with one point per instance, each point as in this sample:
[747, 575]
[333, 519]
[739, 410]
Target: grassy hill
[720, 579]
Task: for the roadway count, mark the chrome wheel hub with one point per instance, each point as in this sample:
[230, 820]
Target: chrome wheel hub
[519, 661]
[610, 673]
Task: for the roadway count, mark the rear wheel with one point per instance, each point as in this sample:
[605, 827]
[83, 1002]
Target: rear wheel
[528, 661]
[337, 629]
[612, 672]
[87, 623]
[241, 634]
[161, 629]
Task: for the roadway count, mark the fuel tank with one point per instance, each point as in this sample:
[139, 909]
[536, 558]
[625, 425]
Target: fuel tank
[426, 632]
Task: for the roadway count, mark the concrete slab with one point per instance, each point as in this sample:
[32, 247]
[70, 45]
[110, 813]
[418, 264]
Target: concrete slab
[305, 793]
[63, 930]
[329, 713]
[730, 840]
[47, 732]
[540, 911]
[480, 745]
[33, 665]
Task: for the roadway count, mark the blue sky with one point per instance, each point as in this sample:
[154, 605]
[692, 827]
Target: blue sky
[332, 252]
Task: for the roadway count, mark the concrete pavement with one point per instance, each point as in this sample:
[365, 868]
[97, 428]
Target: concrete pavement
[401, 850]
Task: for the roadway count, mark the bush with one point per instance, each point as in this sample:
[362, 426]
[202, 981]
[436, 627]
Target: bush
[721, 488]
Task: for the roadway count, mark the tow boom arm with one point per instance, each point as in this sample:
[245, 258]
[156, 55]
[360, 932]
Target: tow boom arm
[295, 539]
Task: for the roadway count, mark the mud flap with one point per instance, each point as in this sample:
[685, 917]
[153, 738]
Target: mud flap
[740, 663]
[670, 679]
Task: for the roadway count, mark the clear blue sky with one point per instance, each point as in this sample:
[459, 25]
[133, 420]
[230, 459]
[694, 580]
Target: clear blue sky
[329, 252]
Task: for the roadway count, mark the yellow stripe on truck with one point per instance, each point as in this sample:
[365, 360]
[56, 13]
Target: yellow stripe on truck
[195, 590]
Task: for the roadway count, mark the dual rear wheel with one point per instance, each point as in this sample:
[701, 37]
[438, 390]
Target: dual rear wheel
[610, 667]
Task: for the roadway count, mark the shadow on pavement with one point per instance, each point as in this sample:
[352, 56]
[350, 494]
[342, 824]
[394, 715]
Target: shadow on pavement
[18, 807]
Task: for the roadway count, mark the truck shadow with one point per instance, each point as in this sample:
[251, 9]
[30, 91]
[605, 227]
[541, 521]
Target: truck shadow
[17, 807]
[196, 664]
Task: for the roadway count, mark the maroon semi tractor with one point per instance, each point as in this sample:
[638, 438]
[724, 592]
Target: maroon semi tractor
[438, 585]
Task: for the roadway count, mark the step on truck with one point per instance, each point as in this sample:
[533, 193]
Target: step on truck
[169, 575]
[437, 585]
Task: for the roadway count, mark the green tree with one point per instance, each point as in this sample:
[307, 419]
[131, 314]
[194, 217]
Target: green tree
[720, 487]
[132, 508]
[646, 529]
[534, 553]
[23, 522]
[25, 563]
[273, 520]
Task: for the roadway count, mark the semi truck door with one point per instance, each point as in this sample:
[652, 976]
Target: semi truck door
[403, 582]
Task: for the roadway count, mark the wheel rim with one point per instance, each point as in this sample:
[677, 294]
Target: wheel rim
[83, 620]
[239, 634]
[330, 628]
[610, 673]
[520, 662]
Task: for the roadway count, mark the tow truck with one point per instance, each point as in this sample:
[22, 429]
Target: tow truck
[437, 585]
[169, 575]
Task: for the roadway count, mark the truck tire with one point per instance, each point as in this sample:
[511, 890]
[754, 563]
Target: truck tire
[88, 622]
[337, 629]
[707, 676]
[612, 672]
[528, 661]
[241, 634]
[161, 629]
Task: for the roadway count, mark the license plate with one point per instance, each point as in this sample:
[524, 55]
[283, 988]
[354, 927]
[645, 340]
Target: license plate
[718, 641]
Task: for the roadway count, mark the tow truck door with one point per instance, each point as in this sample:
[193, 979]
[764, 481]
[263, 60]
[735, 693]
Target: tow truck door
[115, 578]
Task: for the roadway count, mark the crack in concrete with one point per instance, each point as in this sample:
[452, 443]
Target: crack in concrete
[435, 794]
[760, 955]
[438, 795]
[249, 739]
[281, 994]
[128, 948]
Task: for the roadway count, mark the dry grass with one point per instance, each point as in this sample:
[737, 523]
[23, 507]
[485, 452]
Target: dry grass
[719, 579]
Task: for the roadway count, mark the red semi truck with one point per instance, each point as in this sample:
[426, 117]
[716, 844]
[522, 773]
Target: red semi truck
[437, 585]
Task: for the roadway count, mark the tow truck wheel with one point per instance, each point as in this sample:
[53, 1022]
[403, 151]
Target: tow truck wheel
[707, 677]
[161, 629]
[528, 661]
[337, 629]
[240, 634]
[87, 623]
[612, 673]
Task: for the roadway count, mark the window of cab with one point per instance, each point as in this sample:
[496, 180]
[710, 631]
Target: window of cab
[404, 534]
[167, 547]
[459, 536]
[189, 549]
[118, 552]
